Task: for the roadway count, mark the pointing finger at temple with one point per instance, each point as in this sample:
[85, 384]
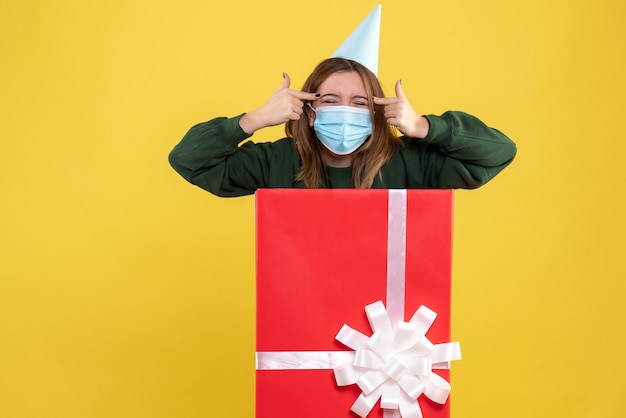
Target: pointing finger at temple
[301, 95]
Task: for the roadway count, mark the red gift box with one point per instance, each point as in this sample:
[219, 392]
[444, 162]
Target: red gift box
[322, 257]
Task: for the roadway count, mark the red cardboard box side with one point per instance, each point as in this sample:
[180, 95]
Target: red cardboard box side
[321, 258]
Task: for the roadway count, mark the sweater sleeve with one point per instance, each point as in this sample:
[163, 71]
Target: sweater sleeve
[468, 152]
[209, 156]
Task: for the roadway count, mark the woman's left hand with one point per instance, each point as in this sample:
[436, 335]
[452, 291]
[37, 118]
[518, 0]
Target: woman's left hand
[400, 114]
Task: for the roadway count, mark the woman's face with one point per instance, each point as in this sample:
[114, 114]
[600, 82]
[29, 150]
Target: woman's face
[341, 89]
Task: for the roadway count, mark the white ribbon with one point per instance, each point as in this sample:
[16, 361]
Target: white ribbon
[396, 254]
[395, 363]
[302, 360]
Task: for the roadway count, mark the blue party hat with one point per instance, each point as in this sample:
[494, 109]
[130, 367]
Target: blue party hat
[362, 45]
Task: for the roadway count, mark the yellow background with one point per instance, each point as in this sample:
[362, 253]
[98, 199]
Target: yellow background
[126, 292]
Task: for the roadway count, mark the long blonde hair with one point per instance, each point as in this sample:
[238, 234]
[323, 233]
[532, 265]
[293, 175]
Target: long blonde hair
[370, 157]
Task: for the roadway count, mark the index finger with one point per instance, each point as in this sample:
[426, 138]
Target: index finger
[302, 95]
[385, 100]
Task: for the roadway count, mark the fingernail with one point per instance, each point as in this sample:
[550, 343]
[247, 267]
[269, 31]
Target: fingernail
[284, 75]
[318, 94]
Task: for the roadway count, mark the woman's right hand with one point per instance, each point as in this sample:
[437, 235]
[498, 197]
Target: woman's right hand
[284, 105]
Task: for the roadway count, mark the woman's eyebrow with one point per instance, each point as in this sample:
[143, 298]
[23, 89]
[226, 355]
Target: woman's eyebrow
[337, 96]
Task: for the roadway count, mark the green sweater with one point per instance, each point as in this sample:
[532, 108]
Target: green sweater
[459, 152]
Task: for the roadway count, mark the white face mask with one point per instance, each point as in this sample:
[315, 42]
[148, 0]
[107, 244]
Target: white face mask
[342, 129]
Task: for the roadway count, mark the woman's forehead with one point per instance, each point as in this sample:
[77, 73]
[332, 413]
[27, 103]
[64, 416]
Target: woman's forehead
[344, 84]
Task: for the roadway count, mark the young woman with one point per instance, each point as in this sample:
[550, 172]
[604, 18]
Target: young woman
[341, 133]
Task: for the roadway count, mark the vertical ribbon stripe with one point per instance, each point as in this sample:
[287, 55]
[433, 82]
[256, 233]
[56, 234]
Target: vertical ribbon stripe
[396, 254]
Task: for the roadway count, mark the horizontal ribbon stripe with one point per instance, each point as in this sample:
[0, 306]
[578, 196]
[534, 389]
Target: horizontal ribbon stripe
[302, 360]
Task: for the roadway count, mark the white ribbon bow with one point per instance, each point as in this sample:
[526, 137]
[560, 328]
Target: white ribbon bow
[395, 364]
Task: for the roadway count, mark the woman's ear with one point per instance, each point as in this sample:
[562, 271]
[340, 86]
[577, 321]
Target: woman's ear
[310, 114]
